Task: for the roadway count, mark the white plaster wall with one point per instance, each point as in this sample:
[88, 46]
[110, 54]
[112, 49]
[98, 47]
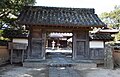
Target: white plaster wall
[17, 40]
[96, 44]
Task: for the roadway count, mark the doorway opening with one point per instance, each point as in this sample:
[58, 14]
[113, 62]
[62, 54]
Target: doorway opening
[59, 45]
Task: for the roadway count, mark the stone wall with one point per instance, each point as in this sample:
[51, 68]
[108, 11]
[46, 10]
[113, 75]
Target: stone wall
[108, 60]
[116, 56]
[4, 55]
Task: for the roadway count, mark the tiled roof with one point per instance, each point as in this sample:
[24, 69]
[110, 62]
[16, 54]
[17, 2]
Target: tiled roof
[111, 31]
[39, 15]
[101, 36]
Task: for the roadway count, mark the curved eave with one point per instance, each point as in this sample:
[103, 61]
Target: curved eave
[62, 25]
[105, 40]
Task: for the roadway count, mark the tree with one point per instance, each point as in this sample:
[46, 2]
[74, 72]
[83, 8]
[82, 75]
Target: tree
[10, 9]
[112, 19]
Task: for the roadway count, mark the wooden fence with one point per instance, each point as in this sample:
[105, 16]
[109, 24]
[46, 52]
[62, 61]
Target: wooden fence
[17, 51]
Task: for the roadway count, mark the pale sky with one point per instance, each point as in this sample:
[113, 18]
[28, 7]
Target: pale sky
[99, 5]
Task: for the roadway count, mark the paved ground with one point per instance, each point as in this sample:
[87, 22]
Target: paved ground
[59, 58]
[53, 70]
[56, 71]
[17, 71]
[63, 72]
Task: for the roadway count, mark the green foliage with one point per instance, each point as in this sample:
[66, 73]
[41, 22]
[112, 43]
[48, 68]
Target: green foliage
[3, 42]
[118, 36]
[112, 18]
[11, 33]
[10, 9]
[1, 31]
[1, 37]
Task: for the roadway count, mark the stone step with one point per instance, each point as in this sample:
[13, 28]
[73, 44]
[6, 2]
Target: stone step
[74, 65]
[60, 65]
[34, 64]
[79, 66]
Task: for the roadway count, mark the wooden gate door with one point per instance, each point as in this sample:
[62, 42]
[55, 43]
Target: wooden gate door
[80, 45]
[80, 49]
[36, 49]
[37, 45]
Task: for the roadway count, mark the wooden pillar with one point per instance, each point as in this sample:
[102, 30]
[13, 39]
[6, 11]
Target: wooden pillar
[58, 43]
[29, 43]
[10, 47]
[43, 44]
[11, 57]
[74, 46]
[87, 51]
[23, 55]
